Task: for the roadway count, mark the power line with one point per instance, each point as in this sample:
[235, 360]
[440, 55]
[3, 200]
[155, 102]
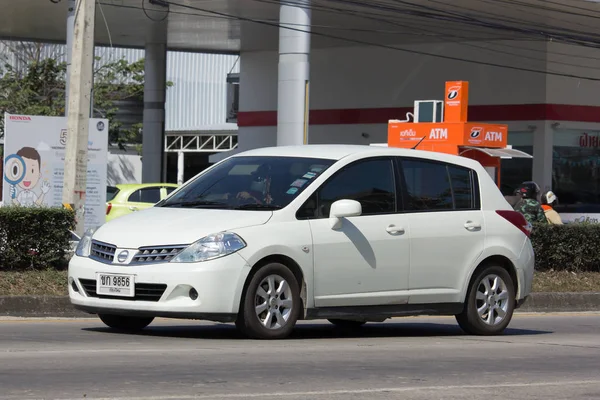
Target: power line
[356, 41]
[472, 45]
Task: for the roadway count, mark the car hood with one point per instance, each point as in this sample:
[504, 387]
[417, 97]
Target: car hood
[159, 226]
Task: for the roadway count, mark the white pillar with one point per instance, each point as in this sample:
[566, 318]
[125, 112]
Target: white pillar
[70, 27]
[543, 143]
[180, 167]
[155, 72]
[293, 76]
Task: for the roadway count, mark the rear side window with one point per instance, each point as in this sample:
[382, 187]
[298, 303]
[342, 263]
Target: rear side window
[427, 186]
[436, 186]
[111, 192]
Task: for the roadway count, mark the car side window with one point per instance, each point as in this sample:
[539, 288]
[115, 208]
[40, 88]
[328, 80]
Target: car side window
[146, 195]
[369, 182]
[170, 190]
[437, 186]
[427, 185]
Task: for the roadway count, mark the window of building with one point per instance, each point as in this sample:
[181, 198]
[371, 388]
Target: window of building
[369, 182]
[515, 171]
[576, 170]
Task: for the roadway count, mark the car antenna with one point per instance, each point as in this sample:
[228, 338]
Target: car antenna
[415, 146]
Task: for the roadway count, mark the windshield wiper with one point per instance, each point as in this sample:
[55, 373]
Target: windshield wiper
[198, 203]
[258, 207]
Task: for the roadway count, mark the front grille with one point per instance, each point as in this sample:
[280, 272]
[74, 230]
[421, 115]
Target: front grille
[148, 255]
[143, 291]
[102, 252]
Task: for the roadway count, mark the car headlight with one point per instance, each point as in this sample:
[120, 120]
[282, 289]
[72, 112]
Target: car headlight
[85, 244]
[211, 247]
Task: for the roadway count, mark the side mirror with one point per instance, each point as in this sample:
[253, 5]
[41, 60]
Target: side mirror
[343, 209]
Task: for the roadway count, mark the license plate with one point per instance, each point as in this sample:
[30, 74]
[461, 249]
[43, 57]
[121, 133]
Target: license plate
[115, 285]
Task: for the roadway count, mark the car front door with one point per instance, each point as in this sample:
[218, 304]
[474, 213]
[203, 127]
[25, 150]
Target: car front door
[447, 227]
[365, 261]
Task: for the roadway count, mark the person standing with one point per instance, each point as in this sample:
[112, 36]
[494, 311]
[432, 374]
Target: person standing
[549, 200]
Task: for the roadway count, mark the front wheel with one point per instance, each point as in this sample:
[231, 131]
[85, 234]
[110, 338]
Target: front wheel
[122, 323]
[489, 304]
[271, 305]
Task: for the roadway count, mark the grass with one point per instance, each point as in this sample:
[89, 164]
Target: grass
[566, 281]
[54, 283]
[46, 282]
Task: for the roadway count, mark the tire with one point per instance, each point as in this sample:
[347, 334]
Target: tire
[346, 323]
[502, 301]
[128, 324]
[266, 312]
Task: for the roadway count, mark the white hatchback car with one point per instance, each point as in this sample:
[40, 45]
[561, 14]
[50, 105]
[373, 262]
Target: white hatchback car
[347, 233]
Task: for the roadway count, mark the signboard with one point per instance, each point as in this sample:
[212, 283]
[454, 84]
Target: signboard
[34, 157]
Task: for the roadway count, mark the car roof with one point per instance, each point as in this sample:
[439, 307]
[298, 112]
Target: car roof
[339, 151]
[129, 186]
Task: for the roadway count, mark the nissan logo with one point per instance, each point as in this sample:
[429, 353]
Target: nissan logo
[122, 257]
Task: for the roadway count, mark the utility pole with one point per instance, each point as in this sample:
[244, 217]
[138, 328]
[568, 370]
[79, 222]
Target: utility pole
[71, 4]
[78, 117]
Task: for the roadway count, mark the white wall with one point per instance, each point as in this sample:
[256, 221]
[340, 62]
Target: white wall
[369, 77]
[584, 61]
[123, 167]
[360, 77]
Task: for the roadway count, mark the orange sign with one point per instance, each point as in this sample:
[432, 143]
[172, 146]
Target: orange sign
[432, 135]
[456, 101]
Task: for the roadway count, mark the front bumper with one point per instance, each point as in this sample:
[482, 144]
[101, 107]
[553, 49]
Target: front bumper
[219, 284]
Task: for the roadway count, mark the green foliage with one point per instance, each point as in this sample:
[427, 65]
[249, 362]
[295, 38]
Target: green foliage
[36, 86]
[571, 247]
[35, 238]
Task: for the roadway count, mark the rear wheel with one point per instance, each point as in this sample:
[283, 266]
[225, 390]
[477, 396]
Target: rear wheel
[271, 304]
[122, 323]
[347, 323]
[489, 304]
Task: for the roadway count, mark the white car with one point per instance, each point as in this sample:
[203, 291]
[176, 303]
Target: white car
[347, 233]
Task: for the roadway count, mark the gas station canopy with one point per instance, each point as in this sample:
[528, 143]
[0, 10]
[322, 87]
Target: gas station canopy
[217, 25]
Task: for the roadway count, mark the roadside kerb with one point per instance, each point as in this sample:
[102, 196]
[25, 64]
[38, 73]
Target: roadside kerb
[59, 306]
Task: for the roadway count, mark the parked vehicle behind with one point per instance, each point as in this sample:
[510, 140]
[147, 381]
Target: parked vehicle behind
[352, 234]
[127, 198]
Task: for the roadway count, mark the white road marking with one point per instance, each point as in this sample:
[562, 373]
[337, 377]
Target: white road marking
[352, 392]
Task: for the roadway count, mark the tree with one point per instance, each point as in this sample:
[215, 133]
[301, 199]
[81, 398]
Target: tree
[33, 82]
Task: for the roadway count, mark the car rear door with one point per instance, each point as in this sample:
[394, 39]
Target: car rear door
[447, 227]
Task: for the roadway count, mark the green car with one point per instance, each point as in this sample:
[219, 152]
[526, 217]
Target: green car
[124, 199]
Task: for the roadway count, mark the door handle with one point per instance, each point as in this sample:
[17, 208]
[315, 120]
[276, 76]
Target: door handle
[472, 226]
[132, 208]
[393, 229]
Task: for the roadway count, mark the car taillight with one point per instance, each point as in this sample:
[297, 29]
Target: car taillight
[517, 219]
[108, 208]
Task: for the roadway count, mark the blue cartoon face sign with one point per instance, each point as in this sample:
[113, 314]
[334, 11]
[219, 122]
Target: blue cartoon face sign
[22, 172]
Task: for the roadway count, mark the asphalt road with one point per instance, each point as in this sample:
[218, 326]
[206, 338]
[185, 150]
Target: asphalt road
[540, 357]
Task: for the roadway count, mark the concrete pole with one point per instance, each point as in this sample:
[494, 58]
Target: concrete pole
[543, 146]
[76, 155]
[153, 131]
[71, 4]
[180, 167]
[294, 67]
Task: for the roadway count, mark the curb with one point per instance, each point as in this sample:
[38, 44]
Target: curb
[60, 306]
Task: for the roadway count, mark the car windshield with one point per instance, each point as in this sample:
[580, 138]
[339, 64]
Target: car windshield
[250, 183]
